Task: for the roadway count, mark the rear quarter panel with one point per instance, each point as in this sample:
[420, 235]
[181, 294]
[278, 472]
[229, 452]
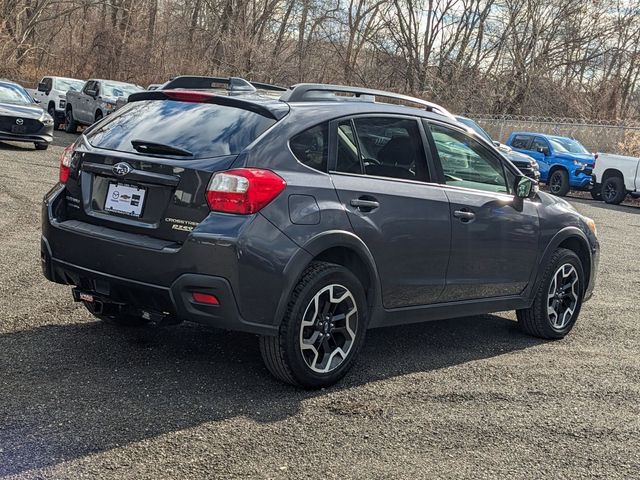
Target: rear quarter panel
[626, 165]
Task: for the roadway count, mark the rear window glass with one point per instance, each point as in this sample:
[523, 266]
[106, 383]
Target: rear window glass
[204, 129]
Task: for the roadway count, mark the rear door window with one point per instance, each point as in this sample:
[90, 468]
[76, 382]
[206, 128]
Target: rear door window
[205, 130]
[521, 141]
[381, 146]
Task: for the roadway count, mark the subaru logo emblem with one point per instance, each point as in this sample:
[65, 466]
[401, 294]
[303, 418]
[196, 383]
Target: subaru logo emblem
[121, 169]
[19, 121]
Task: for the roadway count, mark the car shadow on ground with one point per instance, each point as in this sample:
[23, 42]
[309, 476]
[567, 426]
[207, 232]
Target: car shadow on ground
[606, 206]
[72, 390]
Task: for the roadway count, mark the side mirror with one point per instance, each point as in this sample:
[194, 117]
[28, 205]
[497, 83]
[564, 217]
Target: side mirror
[496, 143]
[543, 150]
[525, 187]
[42, 87]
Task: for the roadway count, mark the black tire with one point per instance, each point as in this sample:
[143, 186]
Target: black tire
[99, 116]
[41, 146]
[596, 192]
[52, 112]
[613, 190]
[559, 183]
[70, 125]
[536, 320]
[122, 320]
[283, 354]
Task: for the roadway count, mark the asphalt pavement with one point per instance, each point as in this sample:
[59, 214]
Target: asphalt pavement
[465, 398]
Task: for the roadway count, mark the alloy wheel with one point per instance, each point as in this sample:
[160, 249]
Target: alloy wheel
[328, 329]
[609, 191]
[562, 298]
[556, 183]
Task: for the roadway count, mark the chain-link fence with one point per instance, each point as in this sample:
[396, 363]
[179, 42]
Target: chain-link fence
[609, 137]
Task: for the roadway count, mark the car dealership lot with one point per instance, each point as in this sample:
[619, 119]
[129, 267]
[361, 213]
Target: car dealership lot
[471, 397]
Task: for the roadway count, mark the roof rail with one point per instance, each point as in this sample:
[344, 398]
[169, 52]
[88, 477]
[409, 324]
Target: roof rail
[233, 84]
[301, 93]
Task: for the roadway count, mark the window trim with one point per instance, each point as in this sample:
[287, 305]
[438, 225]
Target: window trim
[505, 164]
[333, 147]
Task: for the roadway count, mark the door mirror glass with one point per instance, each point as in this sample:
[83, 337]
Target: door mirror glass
[92, 93]
[525, 187]
[42, 87]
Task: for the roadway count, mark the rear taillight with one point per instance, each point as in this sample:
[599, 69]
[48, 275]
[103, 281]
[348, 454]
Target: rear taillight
[243, 190]
[65, 163]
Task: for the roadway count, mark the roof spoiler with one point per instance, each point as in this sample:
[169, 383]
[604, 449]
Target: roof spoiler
[198, 96]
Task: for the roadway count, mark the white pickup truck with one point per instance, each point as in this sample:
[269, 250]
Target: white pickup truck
[52, 95]
[615, 176]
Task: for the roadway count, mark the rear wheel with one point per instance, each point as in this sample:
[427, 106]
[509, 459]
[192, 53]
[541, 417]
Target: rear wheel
[322, 331]
[613, 190]
[558, 300]
[120, 319]
[52, 112]
[559, 183]
[70, 124]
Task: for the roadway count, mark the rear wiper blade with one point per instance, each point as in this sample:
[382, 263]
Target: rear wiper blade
[144, 146]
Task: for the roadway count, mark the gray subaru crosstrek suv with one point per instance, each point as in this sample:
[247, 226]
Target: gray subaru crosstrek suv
[306, 216]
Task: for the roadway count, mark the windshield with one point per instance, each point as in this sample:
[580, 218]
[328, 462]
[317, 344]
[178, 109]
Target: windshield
[119, 89]
[14, 94]
[567, 145]
[475, 127]
[66, 84]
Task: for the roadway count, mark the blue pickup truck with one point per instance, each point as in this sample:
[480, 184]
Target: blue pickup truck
[564, 163]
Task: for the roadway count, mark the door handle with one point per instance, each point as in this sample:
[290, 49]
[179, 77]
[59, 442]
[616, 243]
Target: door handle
[364, 204]
[464, 215]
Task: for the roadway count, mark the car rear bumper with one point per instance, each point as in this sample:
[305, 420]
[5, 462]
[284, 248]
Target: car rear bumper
[175, 301]
[160, 276]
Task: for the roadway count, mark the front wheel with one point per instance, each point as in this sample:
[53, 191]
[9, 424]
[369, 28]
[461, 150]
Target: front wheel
[322, 331]
[559, 183]
[558, 300]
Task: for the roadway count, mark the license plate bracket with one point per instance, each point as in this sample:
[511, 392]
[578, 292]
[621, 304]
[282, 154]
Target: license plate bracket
[18, 129]
[125, 199]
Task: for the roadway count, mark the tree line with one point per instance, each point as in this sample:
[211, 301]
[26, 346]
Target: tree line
[573, 58]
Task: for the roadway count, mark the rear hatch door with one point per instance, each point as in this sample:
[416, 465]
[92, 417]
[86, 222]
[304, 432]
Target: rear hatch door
[145, 169]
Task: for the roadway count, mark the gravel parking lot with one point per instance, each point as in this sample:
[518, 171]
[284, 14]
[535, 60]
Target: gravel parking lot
[466, 398]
